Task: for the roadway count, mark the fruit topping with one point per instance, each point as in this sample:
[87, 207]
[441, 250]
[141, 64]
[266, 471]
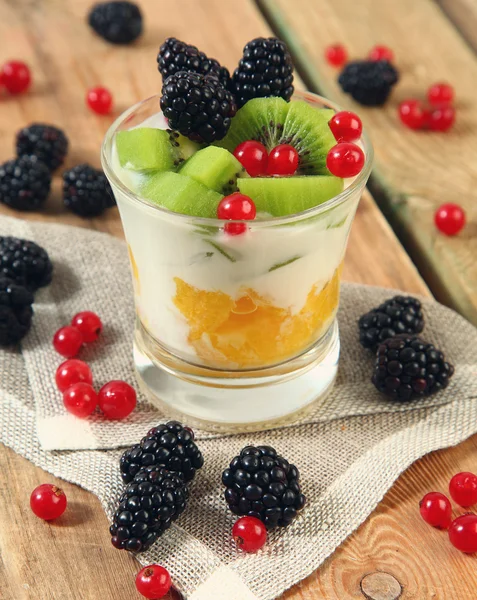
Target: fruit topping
[48, 143]
[250, 534]
[15, 76]
[86, 191]
[24, 183]
[148, 506]
[407, 367]
[117, 22]
[282, 196]
[72, 371]
[442, 118]
[463, 533]
[236, 207]
[253, 157]
[436, 510]
[283, 160]
[413, 114]
[197, 106]
[117, 399]
[88, 324]
[48, 502]
[24, 262]
[450, 219]
[214, 167]
[463, 489]
[401, 314]
[440, 94]
[264, 70]
[336, 55]
[381, 53]
[153, 582]
[148, 149]
[100, 100]
[15, 311]
[80, 399]
[260, 483]
[175, 56]
[67, 341]
[170, 446]
[368, 82]
[345, 160]
[346, 126]
[181, 194]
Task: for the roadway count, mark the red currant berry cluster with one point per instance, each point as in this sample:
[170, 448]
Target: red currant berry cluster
[116, 399]
[15, 77]
[346, 159]
[436, 510]
[282, 161]
[438, 116]
[99, 100]
[337, 55]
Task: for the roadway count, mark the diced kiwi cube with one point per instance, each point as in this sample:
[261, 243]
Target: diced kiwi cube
[215, 168]
[146, 149]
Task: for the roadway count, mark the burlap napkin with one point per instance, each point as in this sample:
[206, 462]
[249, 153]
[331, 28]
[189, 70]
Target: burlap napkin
[349, 453]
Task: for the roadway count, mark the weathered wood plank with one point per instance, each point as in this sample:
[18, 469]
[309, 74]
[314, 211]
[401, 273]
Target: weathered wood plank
[415, 171]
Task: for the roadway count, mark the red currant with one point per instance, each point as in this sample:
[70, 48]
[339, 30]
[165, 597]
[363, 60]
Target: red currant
[463, 489]
[253, 157]
[80, 399]
[463, 533]
[236, 207]
[117, 399]
[346, 126]
[436, 510]
[68, 341]
[15, 76]
[442, 118]
[345, 160]
[413, 114]
[440, 93]
[153, 582]
[381, 53]
[72, 371]
[450, 218]
[48, 501]
[283, 160]
[336, 55]
[250, 534]
[89, 324]
[99, 100]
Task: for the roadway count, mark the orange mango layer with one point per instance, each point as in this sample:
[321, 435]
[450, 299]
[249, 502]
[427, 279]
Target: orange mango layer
[250, 331]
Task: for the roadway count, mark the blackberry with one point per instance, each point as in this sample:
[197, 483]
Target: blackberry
[175, 56]
[24, 183]
[49, 144]
[147, 507]
[407, 367]
[170, 446]
[86, 191]
[15, 311]
[116, 22]
[401, 314]
[261, 484]
[197, 106]
[369, 82]
[24, 262]
[265, 69]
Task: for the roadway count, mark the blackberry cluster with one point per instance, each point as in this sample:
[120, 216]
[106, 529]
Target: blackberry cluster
[48, 143]
[197, 106]
[24, 183]
[15, 311]
[261, 484]
[24, 262]
[265, 69]
[147, 507]
[368, 82]
[86, 191]
[407, 367]
[394, 317]
[175, 56]
[170, 446]
[116, 22]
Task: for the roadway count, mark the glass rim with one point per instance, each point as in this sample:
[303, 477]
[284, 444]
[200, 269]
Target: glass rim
[359, 181]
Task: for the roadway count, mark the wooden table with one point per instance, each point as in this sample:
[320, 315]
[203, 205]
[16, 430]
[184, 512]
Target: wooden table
[73, 559]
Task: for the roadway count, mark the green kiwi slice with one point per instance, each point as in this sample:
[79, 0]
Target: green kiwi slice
[147, 149]
[215, 168]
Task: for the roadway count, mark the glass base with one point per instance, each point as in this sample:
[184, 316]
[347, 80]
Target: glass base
[246, 401]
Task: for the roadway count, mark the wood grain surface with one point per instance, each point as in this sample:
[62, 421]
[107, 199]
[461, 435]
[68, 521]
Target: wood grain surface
[415, 171]
[72, 559]
[463, 13]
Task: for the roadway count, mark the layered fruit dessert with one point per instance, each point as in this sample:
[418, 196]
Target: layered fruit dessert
[237, 200]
